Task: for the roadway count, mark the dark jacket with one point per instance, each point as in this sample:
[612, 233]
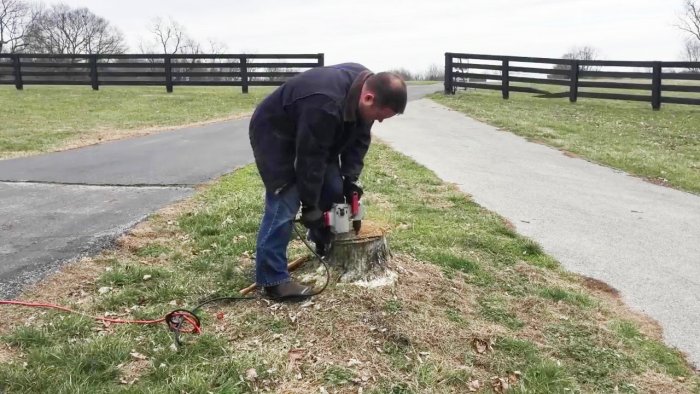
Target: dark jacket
[305, 124]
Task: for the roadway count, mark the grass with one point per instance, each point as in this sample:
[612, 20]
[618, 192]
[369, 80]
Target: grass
[663, 146]
[470, 305]
[44, 119]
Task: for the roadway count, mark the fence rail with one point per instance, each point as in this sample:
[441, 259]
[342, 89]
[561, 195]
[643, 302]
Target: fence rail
[242, 70]
[621, 80]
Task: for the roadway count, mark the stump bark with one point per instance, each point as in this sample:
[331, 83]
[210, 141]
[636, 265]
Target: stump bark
[361, 257]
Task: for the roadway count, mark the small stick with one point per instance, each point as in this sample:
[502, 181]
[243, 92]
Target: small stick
[290, 267]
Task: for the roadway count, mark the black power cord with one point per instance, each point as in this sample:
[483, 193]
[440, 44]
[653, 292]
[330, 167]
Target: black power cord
[177, 318]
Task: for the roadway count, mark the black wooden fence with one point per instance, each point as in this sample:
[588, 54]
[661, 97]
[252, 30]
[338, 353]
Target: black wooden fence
[659, 82]
[242, 70]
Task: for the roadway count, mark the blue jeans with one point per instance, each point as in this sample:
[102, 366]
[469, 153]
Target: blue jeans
[277, 227]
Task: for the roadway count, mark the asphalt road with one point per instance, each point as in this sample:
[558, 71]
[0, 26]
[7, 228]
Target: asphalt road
[640, 238]
[60, 206]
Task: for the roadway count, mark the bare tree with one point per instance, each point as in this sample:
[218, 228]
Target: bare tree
[15, 18]
[691, 53]
[64, 30]
[690, 20]
[216, 47]
[168, 36]
[576, 53]
[405, 74]
[582, 53]
[434, 73]
[690, 23]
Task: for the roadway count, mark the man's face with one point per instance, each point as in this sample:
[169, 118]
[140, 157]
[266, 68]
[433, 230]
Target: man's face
[370, 111]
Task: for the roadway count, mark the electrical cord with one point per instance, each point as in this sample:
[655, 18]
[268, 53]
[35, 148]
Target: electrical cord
[179, 321]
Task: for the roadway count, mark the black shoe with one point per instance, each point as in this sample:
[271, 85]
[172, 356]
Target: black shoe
[288, 291]
[320, 249]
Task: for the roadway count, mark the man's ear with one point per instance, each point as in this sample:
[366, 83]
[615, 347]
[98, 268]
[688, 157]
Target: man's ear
[368, 98]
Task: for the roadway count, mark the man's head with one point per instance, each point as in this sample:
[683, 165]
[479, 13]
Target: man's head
[383, 96]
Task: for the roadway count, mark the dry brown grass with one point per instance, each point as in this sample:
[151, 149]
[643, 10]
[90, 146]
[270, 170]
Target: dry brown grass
[427, 330]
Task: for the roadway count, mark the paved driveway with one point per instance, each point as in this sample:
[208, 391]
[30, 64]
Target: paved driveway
[640, 238]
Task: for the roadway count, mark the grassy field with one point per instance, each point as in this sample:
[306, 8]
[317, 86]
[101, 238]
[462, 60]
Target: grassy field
[48, 118]
[476, 306]
[662, 146]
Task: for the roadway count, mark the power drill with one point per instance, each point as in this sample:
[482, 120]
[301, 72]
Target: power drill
[343, 216]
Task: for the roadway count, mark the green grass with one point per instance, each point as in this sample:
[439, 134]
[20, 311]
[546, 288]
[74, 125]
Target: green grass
[660, 145]
[42, 119]
[542, 321]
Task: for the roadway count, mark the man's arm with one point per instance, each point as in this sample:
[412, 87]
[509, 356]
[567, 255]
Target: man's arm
[317, 124]
[352, 158]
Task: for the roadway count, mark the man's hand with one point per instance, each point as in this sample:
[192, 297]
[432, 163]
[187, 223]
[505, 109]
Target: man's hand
[350, 187]
[312, 218]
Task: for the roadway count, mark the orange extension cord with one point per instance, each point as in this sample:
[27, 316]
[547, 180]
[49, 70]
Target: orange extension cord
[179, 321]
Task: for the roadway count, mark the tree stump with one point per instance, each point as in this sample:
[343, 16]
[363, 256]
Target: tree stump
[363, 257]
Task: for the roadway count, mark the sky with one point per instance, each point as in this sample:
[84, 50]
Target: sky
[387, 34]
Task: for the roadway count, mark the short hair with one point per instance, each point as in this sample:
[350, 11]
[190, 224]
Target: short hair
[389, 90]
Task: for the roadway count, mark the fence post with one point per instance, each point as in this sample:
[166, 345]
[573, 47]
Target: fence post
[505, 79]
[167, 63]
[449, 88]
[244, 74]
[321, 60]
[18, 72]
[573, 76]
[93, 72]
[656, 86]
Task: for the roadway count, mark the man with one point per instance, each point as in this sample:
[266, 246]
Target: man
[309, 138]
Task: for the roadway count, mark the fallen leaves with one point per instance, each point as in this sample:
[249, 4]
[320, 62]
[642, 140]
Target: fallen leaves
[138, 356]
[474, 385]
[294, 357]
[501, 385]
[482, 345]
[251, 374]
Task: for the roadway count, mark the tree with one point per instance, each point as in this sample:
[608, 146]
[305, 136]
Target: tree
[64, 30]
[434, 73]
[405, 74]
[582, 53]
[577, 53]
[691, 52]
[690, 20]
[168, 37]
[690, 23]
[15, 18]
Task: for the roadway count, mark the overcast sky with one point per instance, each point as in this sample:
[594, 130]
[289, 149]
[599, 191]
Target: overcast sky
[413, 34]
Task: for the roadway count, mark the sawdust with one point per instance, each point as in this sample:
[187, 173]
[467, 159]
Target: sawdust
[371, 229]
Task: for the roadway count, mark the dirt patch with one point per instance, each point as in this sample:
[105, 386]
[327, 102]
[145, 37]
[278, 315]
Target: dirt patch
[8, 354]
[569, 154]
[599, 286]
[132, 371]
